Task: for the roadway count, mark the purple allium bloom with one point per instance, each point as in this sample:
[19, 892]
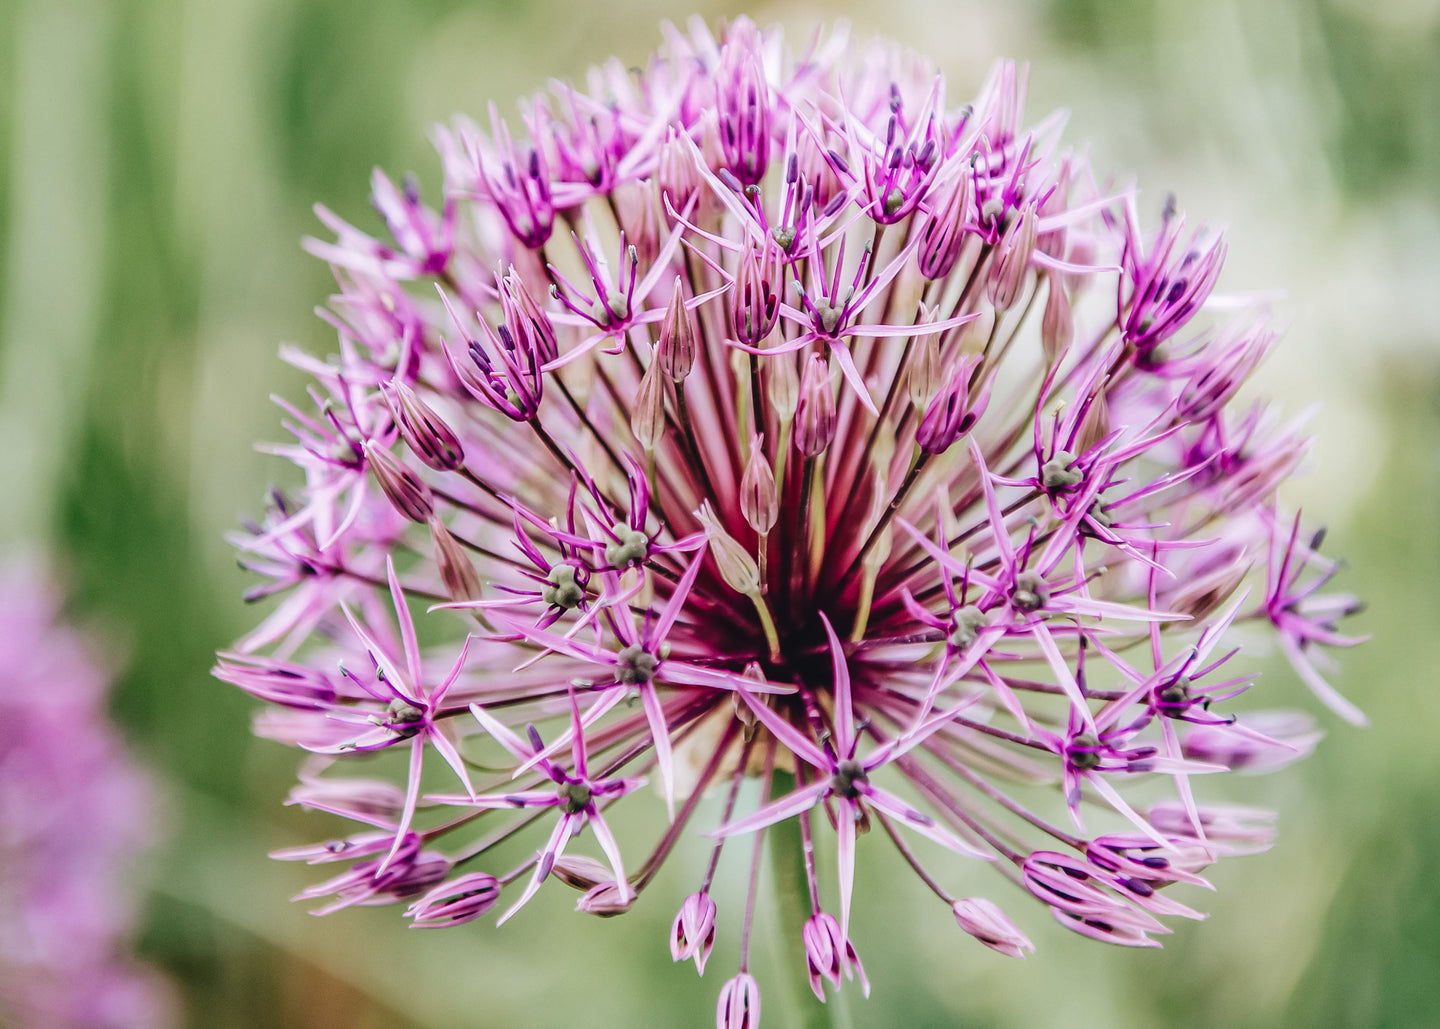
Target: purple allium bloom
[75, 813]
[762, 416]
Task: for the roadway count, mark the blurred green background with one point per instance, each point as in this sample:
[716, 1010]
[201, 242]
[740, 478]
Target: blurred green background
[158, 159]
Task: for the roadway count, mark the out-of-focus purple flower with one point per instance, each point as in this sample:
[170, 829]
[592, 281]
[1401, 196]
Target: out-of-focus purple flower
[75, 814]
[794, 458]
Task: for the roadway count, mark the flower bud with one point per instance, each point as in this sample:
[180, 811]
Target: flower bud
[527, 320]
[519, 186]
[606, 899]
[367, 800]
[925, 374]
[1055, 204]
[676, 174]
[505, 374]
[758, 500]
[1058, 326]
[828, 954]
[737, 567]
[456, 571]
[743, 102]
[815, 414]
[975, 334]
[402, 487]
[1095, 426]
[1012, 261]
[783, 385]
[1200, 595]
[952, 414]
[424, 431]
[677, 346]
[582, 871]
[1082, 252]
[814, 166]
[755, 306]
[942, 235]
[647, 420]
[1262, 741]
[984, 920]
[1229, 829]
[739, 1005]
[458, 901]
[693, 933]
[635, 203]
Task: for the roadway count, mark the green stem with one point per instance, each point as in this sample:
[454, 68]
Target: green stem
[768, 623]
[792, 906]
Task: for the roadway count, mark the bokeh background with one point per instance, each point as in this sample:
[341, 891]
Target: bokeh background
[158, 160]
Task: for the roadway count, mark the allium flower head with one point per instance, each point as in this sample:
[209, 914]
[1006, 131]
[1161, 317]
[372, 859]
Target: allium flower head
[75, 813]
[768, 415]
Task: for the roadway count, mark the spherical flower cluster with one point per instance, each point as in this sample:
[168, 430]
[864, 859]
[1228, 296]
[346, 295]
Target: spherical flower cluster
[762, 415]
[74, 815]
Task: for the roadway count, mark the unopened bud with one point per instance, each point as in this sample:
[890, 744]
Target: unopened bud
[1054, 204]
[755, 304]
[942, 235]
[739, 1005]
[424, 431]
[783, 385]
[1201, 596]
[679, 179]
[527, 320]
[1012, 261]
[455, 902]
[1261, 741]
[737, 567]
[693, 933]
[758, 499]
[742, 101]
[985, 921]
[402, 487]
[828, 954]
[676, 349]
[1095, 426]
[647, 420]
[581, 871]
[456, 571]
[815, 414]
[635, 203]
[710, 150]
[1058, 326]
[1082, 252]
[606, 899]
[925, 375]
[953, 412]
[975, 334]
